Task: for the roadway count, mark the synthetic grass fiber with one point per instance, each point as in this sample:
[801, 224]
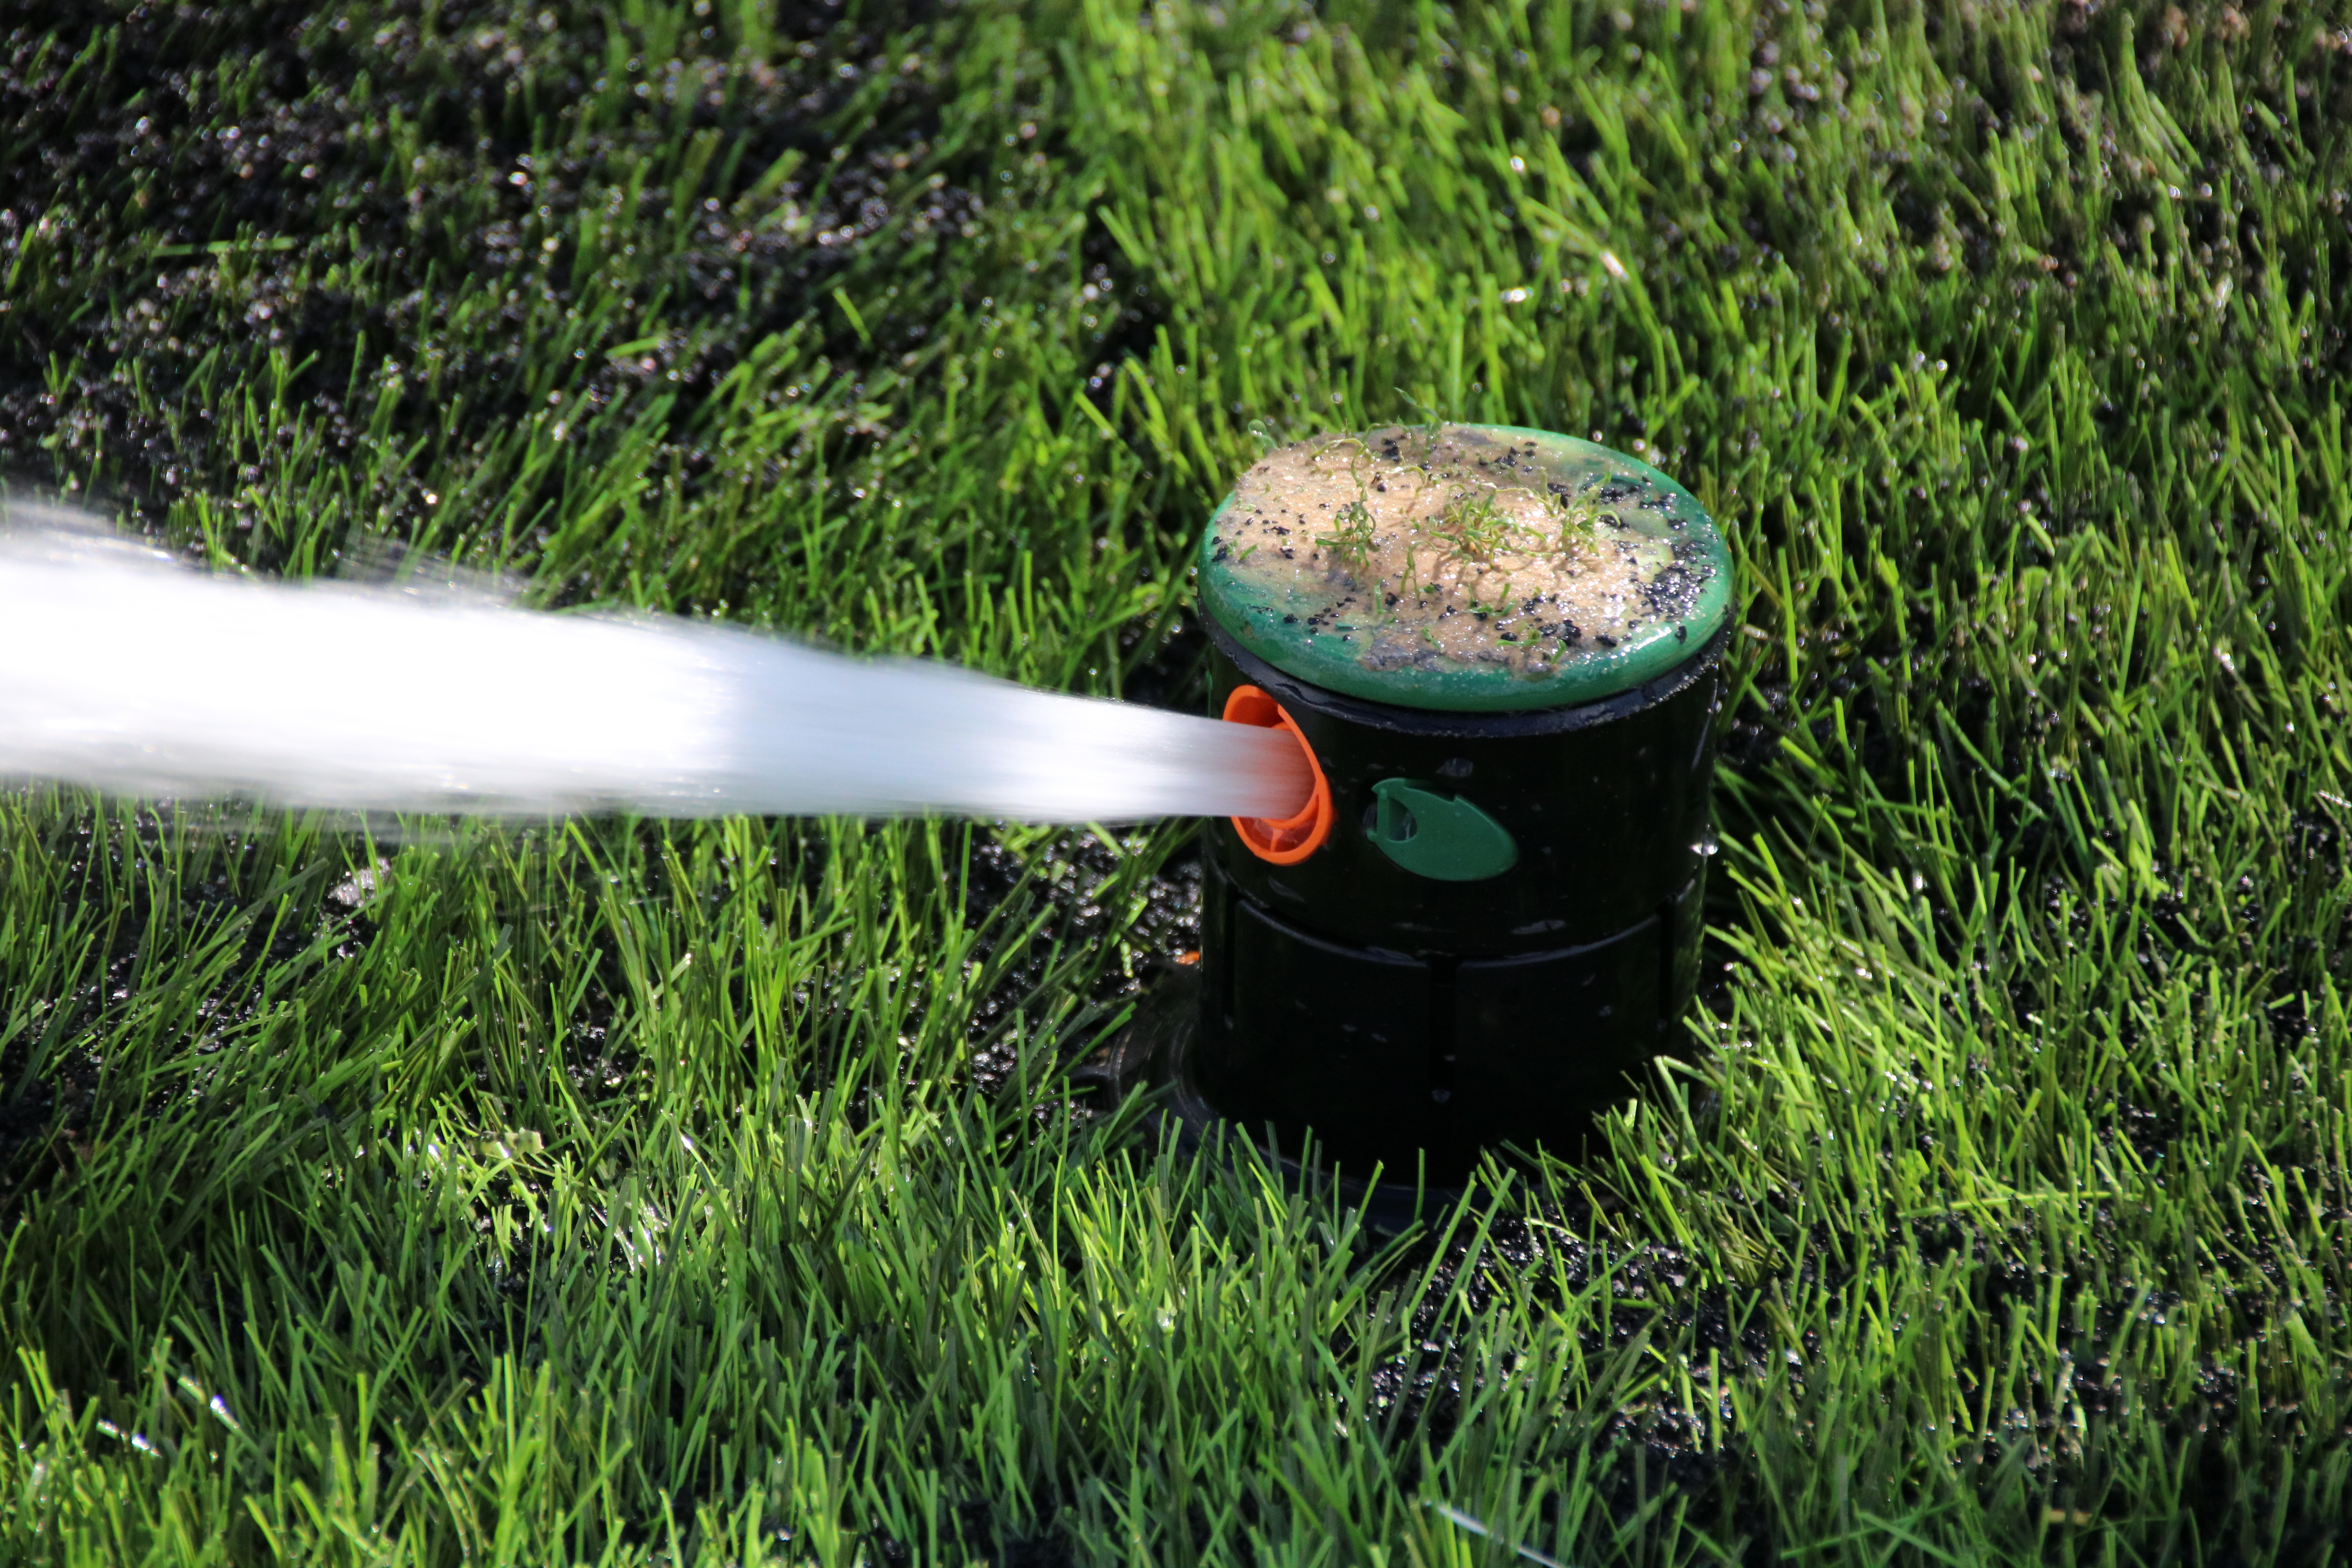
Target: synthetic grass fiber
[609, 1191]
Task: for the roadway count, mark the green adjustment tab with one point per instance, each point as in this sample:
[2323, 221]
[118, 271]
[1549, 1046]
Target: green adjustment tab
[1443, 837]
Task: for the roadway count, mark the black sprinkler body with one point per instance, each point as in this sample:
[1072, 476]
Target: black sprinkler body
[1496, 925]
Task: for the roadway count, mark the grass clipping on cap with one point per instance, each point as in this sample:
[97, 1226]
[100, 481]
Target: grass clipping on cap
[1435, 544]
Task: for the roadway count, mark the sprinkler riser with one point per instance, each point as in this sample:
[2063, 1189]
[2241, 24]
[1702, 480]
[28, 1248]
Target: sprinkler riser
[1413, 1021]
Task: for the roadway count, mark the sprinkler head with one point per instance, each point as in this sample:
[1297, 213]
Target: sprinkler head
[1500, 648]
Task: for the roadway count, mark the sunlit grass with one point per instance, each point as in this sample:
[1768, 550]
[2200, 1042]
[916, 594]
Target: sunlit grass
[615, 1192]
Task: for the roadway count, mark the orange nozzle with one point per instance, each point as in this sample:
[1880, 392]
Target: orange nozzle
[1285, 840]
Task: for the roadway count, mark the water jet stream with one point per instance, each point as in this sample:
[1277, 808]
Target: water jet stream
[125, 671]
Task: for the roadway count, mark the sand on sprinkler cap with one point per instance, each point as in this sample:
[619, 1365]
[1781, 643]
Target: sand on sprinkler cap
[1464, 566]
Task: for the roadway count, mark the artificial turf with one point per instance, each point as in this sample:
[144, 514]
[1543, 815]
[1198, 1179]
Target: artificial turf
[412, 1192]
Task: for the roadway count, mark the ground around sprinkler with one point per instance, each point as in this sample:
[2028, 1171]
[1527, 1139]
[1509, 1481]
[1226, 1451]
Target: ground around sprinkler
[717, 1193]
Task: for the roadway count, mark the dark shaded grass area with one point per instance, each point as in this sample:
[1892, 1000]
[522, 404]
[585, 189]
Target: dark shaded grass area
[348, 195]
[615, 1191]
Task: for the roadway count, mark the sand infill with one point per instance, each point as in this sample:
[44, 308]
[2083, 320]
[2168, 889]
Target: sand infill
[1452, 546]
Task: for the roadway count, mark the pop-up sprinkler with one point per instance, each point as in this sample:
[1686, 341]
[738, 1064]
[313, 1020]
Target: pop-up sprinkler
[1476, 666]
[1499, 647]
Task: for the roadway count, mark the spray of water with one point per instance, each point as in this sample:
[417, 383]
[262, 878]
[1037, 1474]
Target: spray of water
[124, 671]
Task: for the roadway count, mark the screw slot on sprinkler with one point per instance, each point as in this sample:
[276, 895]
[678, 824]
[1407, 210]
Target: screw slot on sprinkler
[1500, 648]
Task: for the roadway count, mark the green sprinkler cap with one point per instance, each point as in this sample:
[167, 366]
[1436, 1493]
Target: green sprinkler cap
[1467, 568]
